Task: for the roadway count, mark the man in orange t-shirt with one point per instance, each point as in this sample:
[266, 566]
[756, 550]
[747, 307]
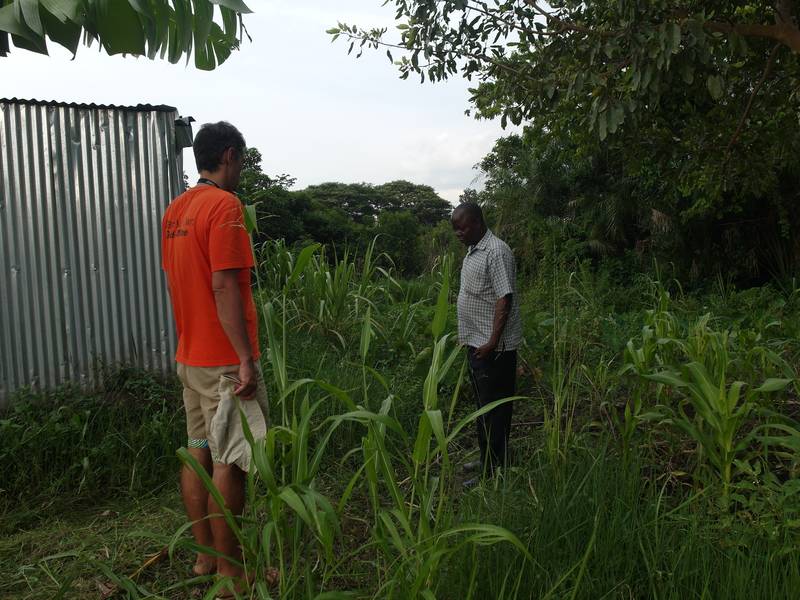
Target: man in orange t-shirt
[207, 257]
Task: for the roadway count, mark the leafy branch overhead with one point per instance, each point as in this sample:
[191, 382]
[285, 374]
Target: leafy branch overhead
[154, 28]
[610, 59]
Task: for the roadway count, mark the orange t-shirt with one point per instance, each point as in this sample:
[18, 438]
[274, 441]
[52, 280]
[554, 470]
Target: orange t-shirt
[203, 231]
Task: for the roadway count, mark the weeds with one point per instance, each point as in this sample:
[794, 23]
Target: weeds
[67, 446]
[356, 491]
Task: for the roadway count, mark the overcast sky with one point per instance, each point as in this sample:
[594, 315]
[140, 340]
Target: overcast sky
[313, 112]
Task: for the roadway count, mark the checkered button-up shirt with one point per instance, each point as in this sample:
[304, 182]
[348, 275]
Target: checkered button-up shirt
[487, 274]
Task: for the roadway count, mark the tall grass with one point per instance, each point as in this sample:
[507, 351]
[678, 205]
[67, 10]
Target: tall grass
[665, 465]
[402, 478]
[407, 476]
[601, 527]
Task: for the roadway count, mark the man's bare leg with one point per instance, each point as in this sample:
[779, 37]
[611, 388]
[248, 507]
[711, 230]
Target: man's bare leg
[230, 481]
[195, 499]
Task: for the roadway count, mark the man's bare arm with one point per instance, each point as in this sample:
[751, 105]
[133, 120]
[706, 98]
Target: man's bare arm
[502, 308]
[230, 311]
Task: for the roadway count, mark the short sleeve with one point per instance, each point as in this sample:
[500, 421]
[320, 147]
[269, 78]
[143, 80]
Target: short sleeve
[228, 241]
[502, 272]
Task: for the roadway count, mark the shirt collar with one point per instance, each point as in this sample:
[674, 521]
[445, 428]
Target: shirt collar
[483, 243]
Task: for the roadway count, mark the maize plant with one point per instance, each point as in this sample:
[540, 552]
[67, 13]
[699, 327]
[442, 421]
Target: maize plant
[719, 412]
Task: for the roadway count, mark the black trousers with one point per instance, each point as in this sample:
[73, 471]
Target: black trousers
[493, 378]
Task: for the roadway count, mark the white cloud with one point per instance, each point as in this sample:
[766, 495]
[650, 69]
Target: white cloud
[450, 194]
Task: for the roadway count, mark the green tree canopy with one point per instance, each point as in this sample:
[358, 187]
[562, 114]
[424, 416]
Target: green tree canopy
[254, 183]
[343, 214]
[419, 200]
[168, 29]
[280, 213]
[398, 236]
[360, 201]
[544, 193]
[710, 87]
[364, 202]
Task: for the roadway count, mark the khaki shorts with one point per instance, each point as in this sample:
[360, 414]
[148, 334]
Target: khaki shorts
[206, 392]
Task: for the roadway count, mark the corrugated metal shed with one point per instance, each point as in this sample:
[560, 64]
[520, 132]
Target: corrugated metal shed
[82, 191]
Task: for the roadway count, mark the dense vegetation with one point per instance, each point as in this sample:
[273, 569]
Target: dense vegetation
[651, 200]
[656, 447]
[346, 216]
[664, 127]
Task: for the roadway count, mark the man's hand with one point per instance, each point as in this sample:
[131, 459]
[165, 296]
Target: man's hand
[485, 350]
[248, 378]
[230, 311]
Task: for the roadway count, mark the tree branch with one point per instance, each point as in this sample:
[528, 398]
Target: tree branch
[784, 10]
[767, 71]
[363, 36]
[471, 6]
[785, 33]
[564, 26]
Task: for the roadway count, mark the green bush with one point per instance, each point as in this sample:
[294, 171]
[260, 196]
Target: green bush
[68, 445]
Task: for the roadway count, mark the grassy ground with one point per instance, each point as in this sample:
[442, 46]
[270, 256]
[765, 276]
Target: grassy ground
[67, 555]
[595, 530]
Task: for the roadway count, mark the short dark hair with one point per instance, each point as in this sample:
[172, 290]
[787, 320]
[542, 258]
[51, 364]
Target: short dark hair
[211, 142]
[471, 210]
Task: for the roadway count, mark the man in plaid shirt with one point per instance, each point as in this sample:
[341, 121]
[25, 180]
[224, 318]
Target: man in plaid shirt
[489, 325]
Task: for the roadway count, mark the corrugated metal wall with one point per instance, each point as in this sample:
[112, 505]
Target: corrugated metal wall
[82, 191]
